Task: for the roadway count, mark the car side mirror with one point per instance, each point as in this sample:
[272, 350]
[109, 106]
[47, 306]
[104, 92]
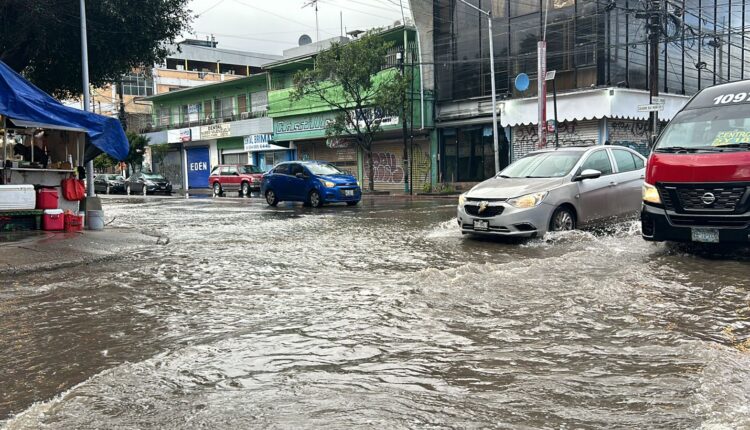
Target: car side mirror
[588, 174]
[300, 175]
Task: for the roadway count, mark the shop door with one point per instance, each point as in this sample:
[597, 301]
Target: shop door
[199, 167]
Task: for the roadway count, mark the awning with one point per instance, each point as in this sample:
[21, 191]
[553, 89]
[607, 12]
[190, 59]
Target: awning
[616, 103]
[21, 101]
[33, 124]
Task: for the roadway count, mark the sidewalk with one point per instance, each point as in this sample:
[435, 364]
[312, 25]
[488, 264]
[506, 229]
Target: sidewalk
[365, 195]
[31, 251]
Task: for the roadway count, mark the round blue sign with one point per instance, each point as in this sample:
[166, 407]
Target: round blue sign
[522, 82]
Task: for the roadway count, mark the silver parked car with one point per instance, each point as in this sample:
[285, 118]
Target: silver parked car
[553, 190]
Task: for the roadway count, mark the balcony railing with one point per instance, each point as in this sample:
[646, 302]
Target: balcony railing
[165, 123]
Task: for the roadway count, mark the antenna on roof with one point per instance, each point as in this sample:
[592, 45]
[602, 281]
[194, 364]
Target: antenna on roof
[317, 29]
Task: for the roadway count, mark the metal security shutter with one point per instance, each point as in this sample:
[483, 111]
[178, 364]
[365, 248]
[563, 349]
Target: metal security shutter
[344, 158]
[171, 168]
[388, 165]
[525, 137]
[633, 134]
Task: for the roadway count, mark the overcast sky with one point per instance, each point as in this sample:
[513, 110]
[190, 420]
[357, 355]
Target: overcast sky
[270, 26]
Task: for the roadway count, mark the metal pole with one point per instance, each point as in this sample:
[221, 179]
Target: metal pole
[86, 95]
[495, 137]
[654, 29]
[542, 93]
[554, 98]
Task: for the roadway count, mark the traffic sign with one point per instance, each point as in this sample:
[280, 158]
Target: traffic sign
[658, 100]
[550, 76]
[650, 108]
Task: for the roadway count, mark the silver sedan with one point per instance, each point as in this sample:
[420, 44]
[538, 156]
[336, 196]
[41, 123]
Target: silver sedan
[554, 190]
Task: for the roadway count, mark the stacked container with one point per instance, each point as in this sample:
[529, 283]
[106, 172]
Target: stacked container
[17, 197]
[47, 198]
[53, 220]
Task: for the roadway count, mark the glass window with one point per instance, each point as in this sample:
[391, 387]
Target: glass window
[715, 126]
[543, 165]
[624, 159]
[137, 84]
[324, 169]
[599, 160]
[640, 163]
[295, 169]
[251, 169]
[281, 169]
[523, 7]
[235, 158]
[259, 101]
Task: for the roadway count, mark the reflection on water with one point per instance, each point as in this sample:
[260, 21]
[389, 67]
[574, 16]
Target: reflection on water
[377, 316]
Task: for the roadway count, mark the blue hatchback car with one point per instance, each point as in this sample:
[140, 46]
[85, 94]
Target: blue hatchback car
[313, 182]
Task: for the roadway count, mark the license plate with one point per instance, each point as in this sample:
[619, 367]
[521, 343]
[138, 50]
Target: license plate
[705, 235]
[481, 225]
[349, 193]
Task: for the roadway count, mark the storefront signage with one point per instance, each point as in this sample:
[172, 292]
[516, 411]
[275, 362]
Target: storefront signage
[181, 135]
[260, 142]
[313, 123]
[216, 131]
[337, 143]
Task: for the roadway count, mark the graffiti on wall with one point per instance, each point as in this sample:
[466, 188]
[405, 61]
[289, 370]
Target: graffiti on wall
[630, 133]
[388, 167]
[569, 133]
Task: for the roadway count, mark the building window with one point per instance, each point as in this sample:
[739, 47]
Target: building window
[137, 84]
[235, 158]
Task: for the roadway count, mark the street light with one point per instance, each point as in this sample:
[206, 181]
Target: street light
[492, 73]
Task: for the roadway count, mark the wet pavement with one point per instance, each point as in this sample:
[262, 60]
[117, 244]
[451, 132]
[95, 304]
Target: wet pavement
[380, 316]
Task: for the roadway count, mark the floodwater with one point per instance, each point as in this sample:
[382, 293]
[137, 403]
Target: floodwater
[380, 316]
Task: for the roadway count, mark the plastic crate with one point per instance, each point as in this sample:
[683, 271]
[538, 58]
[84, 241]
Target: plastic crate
[73, 222]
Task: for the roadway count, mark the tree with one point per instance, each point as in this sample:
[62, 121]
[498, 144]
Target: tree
[354, 80]
[104, 162]
[138, 146]
[42, 39]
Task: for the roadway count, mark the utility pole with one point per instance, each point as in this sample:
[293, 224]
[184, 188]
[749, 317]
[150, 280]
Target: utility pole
[121, 114]
[405, 130]
[654, 17]
[86, 95]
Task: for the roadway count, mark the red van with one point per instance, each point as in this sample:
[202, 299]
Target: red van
[235, 177]
[697, 185]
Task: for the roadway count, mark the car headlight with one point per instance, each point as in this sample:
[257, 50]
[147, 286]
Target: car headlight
[358, 184]
[327, 184]
[651, 194]
[149, 183]
[528, 201]
[462, 199]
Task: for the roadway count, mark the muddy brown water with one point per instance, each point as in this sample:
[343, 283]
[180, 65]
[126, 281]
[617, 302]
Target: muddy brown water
[380, 316]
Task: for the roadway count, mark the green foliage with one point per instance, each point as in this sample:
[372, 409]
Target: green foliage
[158, 152]
[138, 145]
[42, 39]
[351, 79]
[104, 162]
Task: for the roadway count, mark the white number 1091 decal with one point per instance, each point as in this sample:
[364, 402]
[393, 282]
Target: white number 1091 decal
[731, 98]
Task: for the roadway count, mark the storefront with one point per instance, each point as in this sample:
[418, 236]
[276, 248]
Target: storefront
[467, 153]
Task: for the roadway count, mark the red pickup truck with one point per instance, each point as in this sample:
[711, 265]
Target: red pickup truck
[697, 185]
[235, 177]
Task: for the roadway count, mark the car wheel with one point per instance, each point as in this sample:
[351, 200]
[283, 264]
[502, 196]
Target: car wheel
[217, 189]
[271, 198]
[563, 219]
[127, 190]
[314, 199]
[245, 189]
[352, 203]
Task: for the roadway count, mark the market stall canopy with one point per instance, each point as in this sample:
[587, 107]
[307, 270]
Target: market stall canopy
[24, 103]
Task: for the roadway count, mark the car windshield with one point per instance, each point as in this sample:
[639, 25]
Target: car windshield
[324, 169]
[543, 165]
[113, 177]
[707, 129]
[153, 176]
[250, 169]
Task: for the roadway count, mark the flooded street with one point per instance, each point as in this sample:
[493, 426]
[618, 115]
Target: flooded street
[379, 316]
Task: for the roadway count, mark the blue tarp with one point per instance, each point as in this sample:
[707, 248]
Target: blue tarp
[21, 100]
